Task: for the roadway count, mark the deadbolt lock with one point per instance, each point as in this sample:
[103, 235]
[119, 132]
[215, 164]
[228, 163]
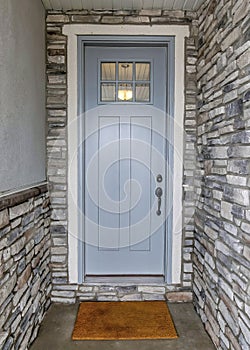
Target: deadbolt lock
[159, 178]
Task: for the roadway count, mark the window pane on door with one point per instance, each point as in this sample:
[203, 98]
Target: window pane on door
[142, 93]
[125, 92]
[142, 71]
[125, 82]
[108, 71]
[108, 92]
[125, 71]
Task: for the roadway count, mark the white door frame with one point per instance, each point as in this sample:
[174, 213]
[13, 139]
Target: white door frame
[74, 215]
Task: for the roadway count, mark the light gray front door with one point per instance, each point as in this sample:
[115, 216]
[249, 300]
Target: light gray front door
[124, 160]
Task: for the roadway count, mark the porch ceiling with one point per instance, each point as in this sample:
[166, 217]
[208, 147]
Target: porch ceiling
[189, 5]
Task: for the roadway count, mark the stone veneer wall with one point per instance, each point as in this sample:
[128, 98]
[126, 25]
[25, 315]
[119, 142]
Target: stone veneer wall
[57, 151]
[222, 223]
[25, 279]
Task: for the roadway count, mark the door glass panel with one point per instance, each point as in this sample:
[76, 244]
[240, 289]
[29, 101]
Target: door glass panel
[108, 71]
[125, 82]
[142, 93]
[108, 92]
[125, 92]
[142, 71]
[125, 71]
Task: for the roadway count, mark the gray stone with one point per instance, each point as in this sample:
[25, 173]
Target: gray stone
[237, 195]
[245, 330]
[150, 13]
[57, 18]
[148, 297]
[239, 151]
[174, 14]
[85, 19]
[23, 278]
[126, 289]
[63, 294]
[234, 108]
[131, 297]
[231, 38]
[16, 223]
[238, 166]
[112, 19]
[107, 298]
[245, 227]
[7, 288]
[241, 11]
[241, 137]
[8, 344]
[151, 289]
[228, 318]
[86, 297]
[176, 297]
[243, 60]
[17, 246]
[136, 19]
[19, 210]
[86, 289]
[3, 337]
[4, 218]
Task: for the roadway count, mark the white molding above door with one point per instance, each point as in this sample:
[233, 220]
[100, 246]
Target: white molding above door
[73, 31]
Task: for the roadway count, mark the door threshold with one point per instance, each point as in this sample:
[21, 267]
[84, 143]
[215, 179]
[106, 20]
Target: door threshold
[125, 280]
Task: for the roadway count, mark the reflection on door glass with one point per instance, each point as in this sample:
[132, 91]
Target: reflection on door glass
[142, 71]
[108, 92]
[125, 92]
[108, 71]
[125, 71]
[142, 93]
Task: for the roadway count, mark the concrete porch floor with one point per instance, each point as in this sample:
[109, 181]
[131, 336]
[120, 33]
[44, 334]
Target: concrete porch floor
[56, 329]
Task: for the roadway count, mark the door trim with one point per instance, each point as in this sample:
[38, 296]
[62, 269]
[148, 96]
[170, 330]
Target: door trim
[156, 32]
[125, 41]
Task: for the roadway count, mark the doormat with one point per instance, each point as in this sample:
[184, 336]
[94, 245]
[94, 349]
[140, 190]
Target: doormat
[127, 320]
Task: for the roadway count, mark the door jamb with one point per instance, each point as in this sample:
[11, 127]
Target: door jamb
[169, 42]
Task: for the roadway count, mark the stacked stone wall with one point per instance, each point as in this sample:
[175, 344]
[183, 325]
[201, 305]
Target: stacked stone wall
[25, 279]
[57, 143]
[222, 221]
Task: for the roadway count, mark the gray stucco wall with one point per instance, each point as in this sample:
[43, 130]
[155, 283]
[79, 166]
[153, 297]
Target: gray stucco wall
[22, 93]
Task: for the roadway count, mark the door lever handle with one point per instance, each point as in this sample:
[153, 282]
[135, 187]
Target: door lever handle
[158, 193]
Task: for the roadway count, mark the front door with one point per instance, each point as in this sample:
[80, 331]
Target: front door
[124, 160]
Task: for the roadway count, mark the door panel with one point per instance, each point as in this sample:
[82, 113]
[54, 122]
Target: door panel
[124, 152]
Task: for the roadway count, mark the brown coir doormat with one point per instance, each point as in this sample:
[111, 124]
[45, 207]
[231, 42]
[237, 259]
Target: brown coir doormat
[126, 320]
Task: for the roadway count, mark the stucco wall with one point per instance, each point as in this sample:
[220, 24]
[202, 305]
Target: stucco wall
[22, 93]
